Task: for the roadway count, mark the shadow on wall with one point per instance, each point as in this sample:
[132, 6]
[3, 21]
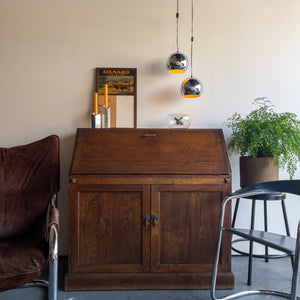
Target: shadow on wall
[166, 95]
[66, 151]
[155, 68]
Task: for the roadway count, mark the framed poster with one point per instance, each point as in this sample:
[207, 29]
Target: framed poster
[121, 84]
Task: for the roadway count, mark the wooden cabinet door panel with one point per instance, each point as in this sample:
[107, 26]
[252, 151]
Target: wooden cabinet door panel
[185, 238]
[110, 235]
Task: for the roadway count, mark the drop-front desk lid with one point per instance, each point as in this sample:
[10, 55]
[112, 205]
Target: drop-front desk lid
[150, 151]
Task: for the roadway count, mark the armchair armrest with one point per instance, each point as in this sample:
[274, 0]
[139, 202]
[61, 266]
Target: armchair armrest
[53, 225]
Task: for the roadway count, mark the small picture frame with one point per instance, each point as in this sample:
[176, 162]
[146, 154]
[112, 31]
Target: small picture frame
[122, 101]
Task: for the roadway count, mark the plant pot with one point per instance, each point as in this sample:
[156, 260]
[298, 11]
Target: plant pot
[256, 170]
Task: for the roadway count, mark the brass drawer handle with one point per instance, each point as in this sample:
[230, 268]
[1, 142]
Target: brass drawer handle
[154, 220]
[149, 135]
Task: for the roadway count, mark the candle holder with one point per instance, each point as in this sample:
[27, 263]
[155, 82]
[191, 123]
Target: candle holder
[96, 120]
[105, 117]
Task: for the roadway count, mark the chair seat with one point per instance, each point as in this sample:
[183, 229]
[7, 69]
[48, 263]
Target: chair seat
[21, 261]
[276, 241]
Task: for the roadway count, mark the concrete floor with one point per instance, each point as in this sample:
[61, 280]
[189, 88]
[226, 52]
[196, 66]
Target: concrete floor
[273, 275]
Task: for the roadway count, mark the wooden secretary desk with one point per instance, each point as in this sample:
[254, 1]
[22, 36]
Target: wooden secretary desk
[144, 207]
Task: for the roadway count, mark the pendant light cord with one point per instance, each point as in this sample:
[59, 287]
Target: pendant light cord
[177, 18]
[192, 37]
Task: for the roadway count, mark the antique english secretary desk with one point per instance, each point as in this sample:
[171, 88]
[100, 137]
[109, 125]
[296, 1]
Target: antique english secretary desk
[144, 208]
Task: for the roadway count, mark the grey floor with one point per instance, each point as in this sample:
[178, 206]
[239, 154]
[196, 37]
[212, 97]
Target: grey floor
[273, 275]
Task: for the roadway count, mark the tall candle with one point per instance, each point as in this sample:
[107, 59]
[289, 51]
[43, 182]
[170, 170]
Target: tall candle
[96, 103]
[106, 95]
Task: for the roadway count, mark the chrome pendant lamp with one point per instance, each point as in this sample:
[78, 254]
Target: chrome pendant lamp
[177, 62]
[191, 87]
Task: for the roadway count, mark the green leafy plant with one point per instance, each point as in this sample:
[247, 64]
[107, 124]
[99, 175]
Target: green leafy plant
[265, 133]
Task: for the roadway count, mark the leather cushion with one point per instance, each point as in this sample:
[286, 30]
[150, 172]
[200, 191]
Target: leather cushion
[29, 177]
[21, 261]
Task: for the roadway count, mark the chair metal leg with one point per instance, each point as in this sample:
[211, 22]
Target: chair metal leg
[217, 256]
[237, 203]
[296, 267]
[53, 263]
[266, 228]
[286, 223]
[52, 292]
[249, 281]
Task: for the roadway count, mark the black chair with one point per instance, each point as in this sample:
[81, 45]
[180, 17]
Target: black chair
[265, 198]
[29, 182]
[283, 243]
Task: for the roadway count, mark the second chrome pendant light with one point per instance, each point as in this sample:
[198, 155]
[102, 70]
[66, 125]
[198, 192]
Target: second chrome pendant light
[191, 87]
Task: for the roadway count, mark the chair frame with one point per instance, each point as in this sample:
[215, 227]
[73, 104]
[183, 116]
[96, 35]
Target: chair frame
[287, 186]
[53, 258]
[262, 198]
[51, 284]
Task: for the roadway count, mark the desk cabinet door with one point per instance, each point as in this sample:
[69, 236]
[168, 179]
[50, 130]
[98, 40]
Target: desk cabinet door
[185, 238]
[107, 230]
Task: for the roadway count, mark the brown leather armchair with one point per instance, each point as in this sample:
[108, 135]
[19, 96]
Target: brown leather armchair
[29, 182]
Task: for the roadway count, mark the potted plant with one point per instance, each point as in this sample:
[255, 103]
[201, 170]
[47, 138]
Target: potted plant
[266, 141]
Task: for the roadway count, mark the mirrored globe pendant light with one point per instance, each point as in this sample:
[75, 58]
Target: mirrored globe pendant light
[191, 87]
[177, 62]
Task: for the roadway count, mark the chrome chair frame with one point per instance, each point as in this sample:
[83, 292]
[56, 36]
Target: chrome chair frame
[283, 186]
[51, 284]
[53, 258]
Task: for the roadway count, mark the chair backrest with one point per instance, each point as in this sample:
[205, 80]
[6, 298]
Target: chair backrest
[29, 177]
[278, 186]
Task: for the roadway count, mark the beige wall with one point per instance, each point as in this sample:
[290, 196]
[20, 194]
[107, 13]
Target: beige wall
[49, 49]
